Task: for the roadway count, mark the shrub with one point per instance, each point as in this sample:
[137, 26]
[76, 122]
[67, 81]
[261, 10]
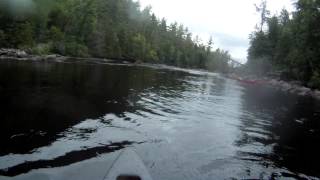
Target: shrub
[75, 49]
[41, 49]
[315, 80]
[2, 39]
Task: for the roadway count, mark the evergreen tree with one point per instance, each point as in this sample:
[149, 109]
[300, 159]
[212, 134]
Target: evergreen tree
[107, 29]
[290, 45]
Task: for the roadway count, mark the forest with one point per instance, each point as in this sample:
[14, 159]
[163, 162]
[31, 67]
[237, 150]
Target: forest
[115, 29]
[288, 43]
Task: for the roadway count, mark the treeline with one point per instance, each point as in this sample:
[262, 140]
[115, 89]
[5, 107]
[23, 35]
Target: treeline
[116, 29]
[288, 43]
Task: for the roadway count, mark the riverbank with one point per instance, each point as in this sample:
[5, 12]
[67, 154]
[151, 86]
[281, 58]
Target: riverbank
[294, 87]
[21, 55]
[17, 54]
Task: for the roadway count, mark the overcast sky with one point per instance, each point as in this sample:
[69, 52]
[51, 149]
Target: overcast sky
[229, 22]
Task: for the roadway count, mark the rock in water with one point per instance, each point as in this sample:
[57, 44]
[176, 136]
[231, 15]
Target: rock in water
[15, 53]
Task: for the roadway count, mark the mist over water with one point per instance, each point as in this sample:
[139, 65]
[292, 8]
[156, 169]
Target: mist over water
[184, 124]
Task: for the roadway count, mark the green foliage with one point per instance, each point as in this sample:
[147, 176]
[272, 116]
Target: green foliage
[41, 49]
[24, 35]
[73, 48]
[108, 29]
[55, 34]
[291, 45]
[142, 50]
[2, 38]
[315, 80]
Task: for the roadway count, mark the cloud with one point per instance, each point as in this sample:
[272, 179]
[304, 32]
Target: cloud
[230, 40]
[237, 46]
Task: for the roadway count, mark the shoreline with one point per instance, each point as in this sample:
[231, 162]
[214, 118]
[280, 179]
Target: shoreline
[21, 55]
[292, 87]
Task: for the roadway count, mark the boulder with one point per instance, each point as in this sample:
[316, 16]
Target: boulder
[15, 53]
[303, 91]
[21, 54]
[316, 94]
[286, 86]
[51, 57]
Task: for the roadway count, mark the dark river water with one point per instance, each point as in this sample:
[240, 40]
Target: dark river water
[184, 124]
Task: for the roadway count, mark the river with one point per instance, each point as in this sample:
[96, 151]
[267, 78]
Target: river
[184, 124]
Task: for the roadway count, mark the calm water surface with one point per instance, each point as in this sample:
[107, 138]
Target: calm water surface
[184, 124]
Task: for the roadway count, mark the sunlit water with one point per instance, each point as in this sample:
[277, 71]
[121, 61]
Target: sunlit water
[184, 124]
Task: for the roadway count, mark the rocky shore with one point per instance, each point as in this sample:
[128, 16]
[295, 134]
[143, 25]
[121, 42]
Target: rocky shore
[17, 54]
[21, 55]
[294, 87]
